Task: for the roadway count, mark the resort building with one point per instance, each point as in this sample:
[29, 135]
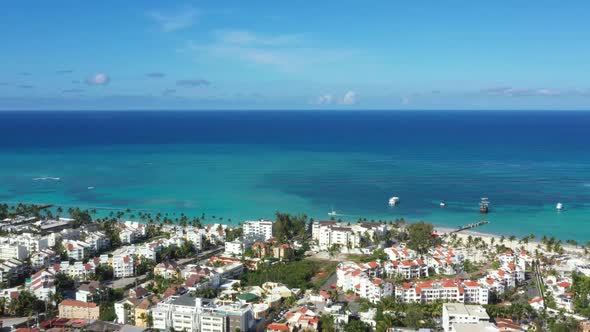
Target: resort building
[454, 290]
[131, 231]
[258, 230]
[459, 313]
[78, 310]
[328, 234]
[363, 280]
[407, 269]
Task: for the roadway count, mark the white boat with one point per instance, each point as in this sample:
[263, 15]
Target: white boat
[393, 200]
[90, 188]
[332, 213]
[443, 204]
[559, 206]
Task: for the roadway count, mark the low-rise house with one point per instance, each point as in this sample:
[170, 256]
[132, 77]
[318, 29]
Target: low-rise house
[538, 303]
[167, 270]
[88, 292]
[283, 251]
[198, 277]
[302, 319]
[78, 310]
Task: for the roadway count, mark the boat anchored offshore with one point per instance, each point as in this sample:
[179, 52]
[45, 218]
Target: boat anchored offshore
[559, 206]
[443, 204]
[484, 205]
[393, 201]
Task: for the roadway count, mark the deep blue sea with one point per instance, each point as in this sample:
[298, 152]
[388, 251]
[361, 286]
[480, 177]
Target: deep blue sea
[243, 165]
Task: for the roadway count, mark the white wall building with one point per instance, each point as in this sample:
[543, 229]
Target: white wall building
[258, 230]
[459, 313]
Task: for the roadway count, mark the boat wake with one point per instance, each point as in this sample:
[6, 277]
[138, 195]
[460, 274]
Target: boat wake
[46, 178]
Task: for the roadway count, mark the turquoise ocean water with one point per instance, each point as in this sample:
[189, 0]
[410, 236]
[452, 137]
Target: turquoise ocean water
[244, 165]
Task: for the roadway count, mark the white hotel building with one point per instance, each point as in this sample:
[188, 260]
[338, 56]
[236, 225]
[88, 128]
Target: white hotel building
[330, 233]
[453, 290]
[258, 230]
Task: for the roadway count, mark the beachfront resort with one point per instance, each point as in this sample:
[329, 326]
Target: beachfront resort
[70, 270]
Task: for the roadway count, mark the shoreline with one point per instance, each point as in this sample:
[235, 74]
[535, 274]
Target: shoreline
[531, 246]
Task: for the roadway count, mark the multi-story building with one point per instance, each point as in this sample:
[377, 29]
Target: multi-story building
[196, 237]
[330, 233]
[78, 310]
[257, 230]
[123, 266]
[78, 270]
[407, 269]
[131, 231]
[400, 252]
[227, 318]
[444, 289]
[10, 250]
[41, 284]
[235, 248]
[76, 250]
[44, 258]
[10, 268]
[97, 241]
[179, 313]
[362, 279]
[459, 313]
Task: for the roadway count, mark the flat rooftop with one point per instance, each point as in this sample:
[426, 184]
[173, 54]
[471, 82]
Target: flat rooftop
[467, 310]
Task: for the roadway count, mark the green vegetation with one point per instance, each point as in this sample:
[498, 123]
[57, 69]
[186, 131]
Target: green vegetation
[356, 326]
[377, 254]
[516, 311]
[581, 287]
[103, 272]
[233, 234]
[296, 274]
[288, 227]
[420, 236]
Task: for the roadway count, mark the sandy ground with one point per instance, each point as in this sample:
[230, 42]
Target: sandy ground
[530, 247]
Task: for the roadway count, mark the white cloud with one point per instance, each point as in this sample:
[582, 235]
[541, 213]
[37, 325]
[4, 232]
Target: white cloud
[98, 79]
[176, 21]
[245, 37]
[519, 92]
[324, 99]
[281, 51]
[350, 98]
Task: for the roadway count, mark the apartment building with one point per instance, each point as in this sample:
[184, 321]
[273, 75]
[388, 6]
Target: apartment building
[257, 230]
[41, 284]
[178, 312]
[330, 233]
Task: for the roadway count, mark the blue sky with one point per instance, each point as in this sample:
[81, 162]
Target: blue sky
[295, 55]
